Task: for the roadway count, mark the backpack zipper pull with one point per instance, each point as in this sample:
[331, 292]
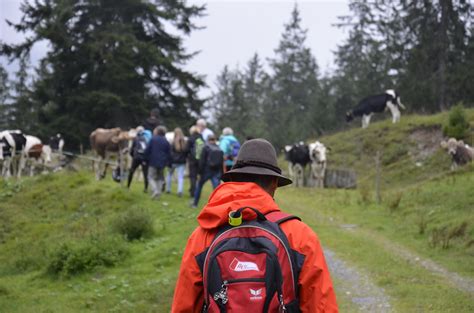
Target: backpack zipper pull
[222, 294]
[282, 304]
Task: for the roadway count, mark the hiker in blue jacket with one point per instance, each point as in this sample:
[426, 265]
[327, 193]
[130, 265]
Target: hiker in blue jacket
[159, 157]
[230, 146]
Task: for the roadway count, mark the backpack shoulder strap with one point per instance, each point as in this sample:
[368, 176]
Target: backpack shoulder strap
[280, 217]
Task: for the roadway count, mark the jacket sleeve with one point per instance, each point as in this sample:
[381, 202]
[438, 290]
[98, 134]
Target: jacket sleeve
[188, 293]
[316, 292]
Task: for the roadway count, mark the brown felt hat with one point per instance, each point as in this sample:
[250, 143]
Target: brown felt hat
[258, 157]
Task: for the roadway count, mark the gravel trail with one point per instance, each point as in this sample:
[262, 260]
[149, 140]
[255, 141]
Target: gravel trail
[357, 286]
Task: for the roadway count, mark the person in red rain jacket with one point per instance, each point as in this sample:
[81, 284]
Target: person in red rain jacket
[252, 181]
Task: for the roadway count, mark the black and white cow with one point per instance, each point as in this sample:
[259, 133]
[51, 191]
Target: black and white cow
[297, 156]
[57, 143]
[34, 153]
[12, 144]
[376, 104]
[318, 153]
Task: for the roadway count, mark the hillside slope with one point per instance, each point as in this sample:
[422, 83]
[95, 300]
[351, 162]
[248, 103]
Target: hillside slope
[60, 250]
[410, 149]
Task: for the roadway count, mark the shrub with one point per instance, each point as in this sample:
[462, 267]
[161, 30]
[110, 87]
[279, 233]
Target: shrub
[365, 195]
[75, 257]
[458, 126]
[134, 224]
[443, 235]
[394, 203]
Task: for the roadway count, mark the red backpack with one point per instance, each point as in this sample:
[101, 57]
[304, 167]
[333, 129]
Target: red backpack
[251, 267]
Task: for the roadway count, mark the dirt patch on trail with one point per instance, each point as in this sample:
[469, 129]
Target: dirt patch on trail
[426, 141]
[357, 286]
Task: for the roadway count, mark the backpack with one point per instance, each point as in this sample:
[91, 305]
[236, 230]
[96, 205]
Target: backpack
[198, 146]
[215, 157]
[147, 134]
[140, 147]
[234, 149]
[251, 265]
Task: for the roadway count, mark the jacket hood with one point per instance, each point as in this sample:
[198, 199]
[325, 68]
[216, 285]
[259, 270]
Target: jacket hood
[231, 196]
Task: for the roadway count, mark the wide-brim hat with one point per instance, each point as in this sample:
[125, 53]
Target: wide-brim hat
[258, 157]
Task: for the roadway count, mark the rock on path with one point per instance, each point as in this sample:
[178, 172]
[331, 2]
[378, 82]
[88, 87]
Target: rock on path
[357, 286]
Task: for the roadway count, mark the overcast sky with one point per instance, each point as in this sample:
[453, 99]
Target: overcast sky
[234, 31]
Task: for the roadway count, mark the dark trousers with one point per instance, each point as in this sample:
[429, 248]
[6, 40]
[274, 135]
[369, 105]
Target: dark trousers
[215, 178]
[135, 164]
[193, 174]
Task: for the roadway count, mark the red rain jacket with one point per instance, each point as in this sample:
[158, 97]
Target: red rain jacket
[316, 293]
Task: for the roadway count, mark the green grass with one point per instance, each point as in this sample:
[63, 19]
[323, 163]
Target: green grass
[39, 214]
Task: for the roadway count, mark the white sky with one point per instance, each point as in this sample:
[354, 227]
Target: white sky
[234, 31]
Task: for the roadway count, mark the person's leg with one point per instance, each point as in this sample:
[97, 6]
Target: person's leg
[197, 194]
[134, 166]
[152, 172]
[169, 177]
[180, 171]
[145, 175]
[160, 181]
[216, 179]
[193, 169]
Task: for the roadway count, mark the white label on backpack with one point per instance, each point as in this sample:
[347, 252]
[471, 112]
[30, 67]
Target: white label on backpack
[240, 266]
[256, 294]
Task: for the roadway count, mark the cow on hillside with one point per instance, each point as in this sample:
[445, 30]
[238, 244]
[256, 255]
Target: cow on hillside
[105, 142]
[12, 144]
[34, 153]
[317, 154]
[297, 156]
[376, 104]
[57, 143]
[460, 153]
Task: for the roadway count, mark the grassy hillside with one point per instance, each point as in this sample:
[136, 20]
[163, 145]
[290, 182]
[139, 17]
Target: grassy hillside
[62, 247]
[410, 149]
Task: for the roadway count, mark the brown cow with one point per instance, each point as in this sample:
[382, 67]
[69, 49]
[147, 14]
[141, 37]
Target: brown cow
[106, 142]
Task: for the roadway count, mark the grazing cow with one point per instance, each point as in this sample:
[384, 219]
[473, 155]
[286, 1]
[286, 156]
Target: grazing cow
[12, 143]
[297, 156]
[317, 154]
[105, 142]
[376, 104]
[461, 153]
[34, 153]
[57, 143]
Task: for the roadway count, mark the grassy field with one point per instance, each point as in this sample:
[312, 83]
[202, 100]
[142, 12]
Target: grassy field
[62, 249]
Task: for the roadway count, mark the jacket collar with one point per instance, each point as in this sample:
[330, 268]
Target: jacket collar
[231, 196]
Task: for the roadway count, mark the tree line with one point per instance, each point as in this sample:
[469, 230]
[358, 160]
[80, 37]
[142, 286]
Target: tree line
[110, 62]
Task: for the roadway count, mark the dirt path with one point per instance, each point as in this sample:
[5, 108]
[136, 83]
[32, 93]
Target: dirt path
[357, 286]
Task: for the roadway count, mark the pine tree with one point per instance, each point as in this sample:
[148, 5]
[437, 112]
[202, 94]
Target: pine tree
[437, 45]
[23, 114]
[110, 62]
[294, 87]
[4, 96]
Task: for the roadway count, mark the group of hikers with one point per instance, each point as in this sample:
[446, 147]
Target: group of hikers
[245, 252]
[207, 158]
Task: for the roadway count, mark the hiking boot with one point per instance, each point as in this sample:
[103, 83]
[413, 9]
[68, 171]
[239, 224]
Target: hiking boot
[180, 194]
